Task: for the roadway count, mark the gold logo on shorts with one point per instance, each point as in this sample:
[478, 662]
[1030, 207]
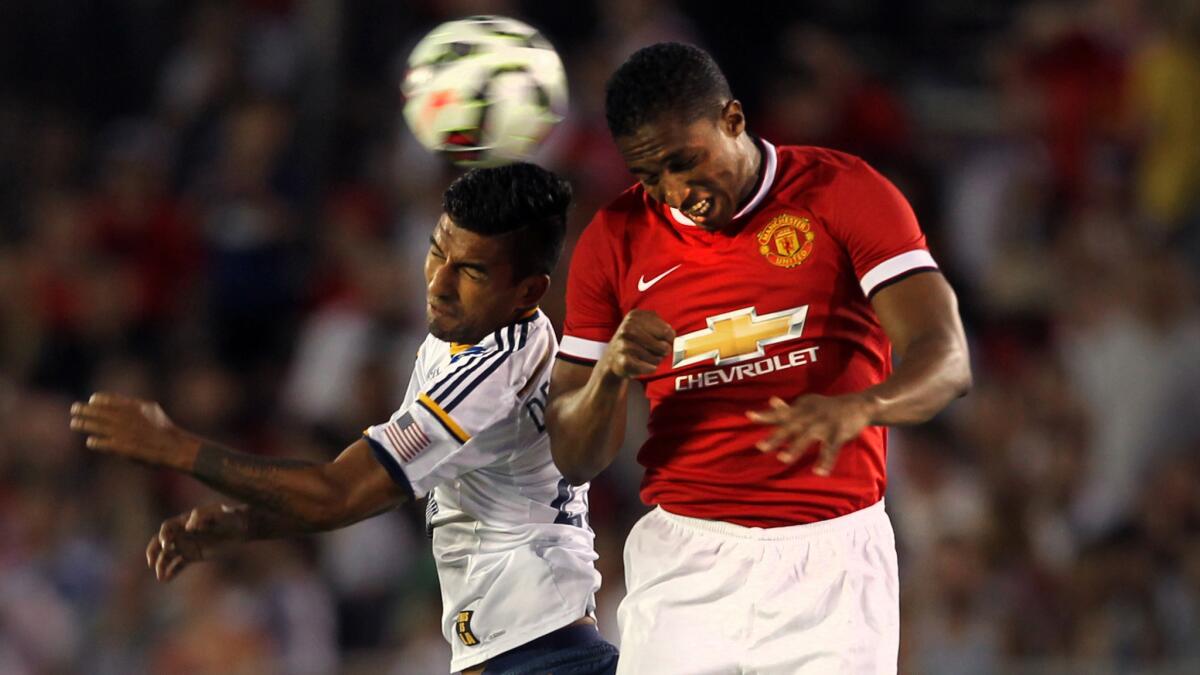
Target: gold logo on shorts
[462, 626]
[787, 240]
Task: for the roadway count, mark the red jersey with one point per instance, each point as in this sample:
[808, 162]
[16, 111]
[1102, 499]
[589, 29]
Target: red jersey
[775, 305]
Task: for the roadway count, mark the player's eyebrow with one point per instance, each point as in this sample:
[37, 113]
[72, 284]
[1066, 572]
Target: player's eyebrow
[679, 156]
[477, 265]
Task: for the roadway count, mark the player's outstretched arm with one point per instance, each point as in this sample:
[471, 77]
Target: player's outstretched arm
[207, 531]
[317, 495]
[586, 413]
[920, 317]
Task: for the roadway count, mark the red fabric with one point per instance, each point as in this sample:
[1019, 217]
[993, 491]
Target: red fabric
[700, 458]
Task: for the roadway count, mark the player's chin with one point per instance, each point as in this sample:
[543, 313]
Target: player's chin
[717, 218]
[444, 328]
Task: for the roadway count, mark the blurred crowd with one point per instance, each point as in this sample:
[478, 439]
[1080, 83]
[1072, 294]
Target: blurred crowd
[214, 204]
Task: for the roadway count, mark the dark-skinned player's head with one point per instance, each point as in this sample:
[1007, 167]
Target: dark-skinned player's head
[681, 132]
[492, 251]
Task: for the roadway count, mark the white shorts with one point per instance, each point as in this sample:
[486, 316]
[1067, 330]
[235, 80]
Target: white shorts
[706, 596]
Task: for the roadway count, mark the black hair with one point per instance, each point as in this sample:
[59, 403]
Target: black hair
[665, 77]
[520, 200]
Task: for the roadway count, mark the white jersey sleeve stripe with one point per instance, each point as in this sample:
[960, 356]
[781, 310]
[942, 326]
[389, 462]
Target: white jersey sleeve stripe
[445, 420]
[893, 267]
[579, 348]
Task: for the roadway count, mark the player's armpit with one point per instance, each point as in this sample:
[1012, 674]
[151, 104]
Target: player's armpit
[585, 418]
[920, 316]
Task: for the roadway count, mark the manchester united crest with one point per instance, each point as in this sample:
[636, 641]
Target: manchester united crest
[787, 240]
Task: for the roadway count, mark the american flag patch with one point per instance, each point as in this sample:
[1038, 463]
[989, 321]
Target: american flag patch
[406, 438]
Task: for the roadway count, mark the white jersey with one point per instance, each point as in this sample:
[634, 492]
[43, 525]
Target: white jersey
[511, 540]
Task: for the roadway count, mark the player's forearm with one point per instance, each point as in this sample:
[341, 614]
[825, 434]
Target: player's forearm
[297, 490]
[934, 371]
[259, 523]
[585, 426]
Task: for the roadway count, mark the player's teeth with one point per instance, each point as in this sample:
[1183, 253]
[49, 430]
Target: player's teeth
[700, 208]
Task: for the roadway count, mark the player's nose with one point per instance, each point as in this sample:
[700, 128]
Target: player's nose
[675, 191]
[442, 282]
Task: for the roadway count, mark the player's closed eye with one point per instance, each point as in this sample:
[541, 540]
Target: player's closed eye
[687, 164]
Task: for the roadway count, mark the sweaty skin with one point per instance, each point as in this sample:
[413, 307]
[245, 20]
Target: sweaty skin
[684, 165]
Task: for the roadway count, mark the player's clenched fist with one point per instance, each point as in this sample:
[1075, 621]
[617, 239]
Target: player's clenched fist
[133, 429]
[823, 422]
[641, 342]
[193, 536]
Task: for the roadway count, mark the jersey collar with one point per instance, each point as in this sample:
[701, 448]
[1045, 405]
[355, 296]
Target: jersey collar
[457, 348]
[765, 181]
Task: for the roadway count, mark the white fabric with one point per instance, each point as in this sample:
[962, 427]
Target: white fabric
[714, 598]
[510, 536]
[895, 266]
[583, 349]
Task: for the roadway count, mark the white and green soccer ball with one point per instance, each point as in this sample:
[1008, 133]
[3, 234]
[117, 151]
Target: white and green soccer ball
[484, 90]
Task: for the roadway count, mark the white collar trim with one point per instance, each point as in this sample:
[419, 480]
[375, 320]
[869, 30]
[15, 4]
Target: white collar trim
[768, 180]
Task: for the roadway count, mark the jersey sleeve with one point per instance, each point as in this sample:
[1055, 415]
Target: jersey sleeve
[458, 421]
[878, 228]
[593, 307]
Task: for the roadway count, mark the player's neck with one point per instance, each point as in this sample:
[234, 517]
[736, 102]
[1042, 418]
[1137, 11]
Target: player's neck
[752, 155]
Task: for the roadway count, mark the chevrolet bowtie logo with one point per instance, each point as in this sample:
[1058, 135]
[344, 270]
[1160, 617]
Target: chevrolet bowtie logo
[738, 336]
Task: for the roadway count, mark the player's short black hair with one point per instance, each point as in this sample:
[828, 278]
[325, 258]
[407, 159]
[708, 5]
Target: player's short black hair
[664, 77]
[520, 200]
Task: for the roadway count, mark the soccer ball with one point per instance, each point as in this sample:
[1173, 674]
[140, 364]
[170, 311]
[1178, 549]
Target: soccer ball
[484, 90]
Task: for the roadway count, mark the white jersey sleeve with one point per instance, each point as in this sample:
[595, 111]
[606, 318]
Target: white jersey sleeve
[455, 421]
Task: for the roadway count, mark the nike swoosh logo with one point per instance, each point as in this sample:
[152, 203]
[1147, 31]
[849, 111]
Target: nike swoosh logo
[643, 285]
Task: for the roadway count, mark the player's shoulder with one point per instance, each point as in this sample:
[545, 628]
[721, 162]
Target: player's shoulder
[804, 158]
[498, 364]
[524, 339]
[432, 349]
[533, 333]
[815, 171]
[626, 211]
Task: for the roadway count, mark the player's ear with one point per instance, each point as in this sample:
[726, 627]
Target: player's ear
[531, 289]
[733, 120]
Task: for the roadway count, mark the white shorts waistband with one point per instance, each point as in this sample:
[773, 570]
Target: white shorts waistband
[870, 515]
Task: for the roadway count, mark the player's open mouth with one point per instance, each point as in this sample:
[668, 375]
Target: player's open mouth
[700, 209]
